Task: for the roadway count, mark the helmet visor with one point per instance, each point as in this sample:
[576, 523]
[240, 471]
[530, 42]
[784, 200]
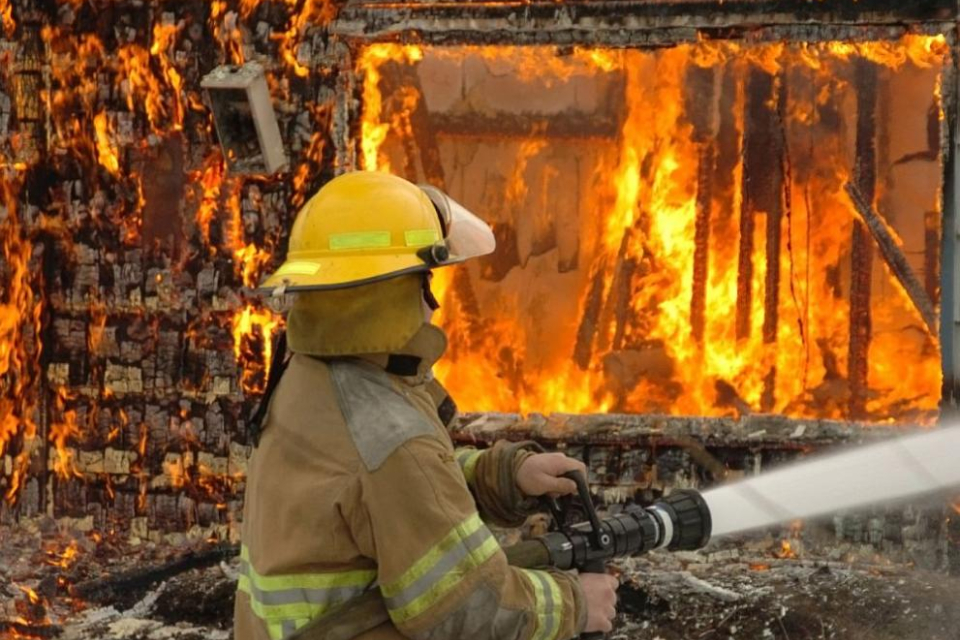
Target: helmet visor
[467, 236]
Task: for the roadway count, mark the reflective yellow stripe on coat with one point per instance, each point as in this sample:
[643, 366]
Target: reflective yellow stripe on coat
[549, 606]
[467, 458]
[467, 546]
[287, 602]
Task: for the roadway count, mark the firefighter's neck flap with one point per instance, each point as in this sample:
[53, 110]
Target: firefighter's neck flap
[376, 318]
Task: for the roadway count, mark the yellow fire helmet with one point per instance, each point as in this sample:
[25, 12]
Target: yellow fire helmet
[366, 226]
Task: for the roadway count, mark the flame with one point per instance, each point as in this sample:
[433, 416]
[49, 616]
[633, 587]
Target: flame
[106, 152]
[251, 325]
[31, 594]
[373, 132]
[64, 558]
[786, 550]
[31, 612]
[634, 285]
[311, 13]
[60, 433]
[20, 321]
[138, 468]
[6, 17]
[226, 31]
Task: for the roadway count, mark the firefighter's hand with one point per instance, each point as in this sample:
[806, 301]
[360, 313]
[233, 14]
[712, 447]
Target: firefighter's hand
[540, 474]
[600, 594]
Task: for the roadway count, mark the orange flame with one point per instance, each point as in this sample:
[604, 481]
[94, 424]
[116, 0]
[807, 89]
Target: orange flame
[20, 317]
[6, 16]
[786, 550]
[65, 558]
[107, 155]
[636, 241]
[226, 31]
[312, 13]
[251, 324]
[60, 433]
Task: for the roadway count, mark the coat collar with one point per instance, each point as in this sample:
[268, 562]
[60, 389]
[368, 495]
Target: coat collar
[413, 362]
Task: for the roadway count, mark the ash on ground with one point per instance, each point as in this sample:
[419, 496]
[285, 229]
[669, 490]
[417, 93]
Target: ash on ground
[752, 588]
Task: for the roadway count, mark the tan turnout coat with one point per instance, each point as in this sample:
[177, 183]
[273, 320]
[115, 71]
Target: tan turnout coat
[356, 487]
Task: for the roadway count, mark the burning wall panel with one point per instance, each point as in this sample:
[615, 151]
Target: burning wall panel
[638, 267]
[130, 348]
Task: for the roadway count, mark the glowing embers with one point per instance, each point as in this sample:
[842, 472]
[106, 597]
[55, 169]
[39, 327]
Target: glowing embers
[699, 255]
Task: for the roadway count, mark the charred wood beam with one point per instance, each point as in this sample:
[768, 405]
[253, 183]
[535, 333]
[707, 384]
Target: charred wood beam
[931, 255]
[745, 268]
[775, 210]
[894, 258]
[762, 194]
[627, 266]
[861, 249]
[701, 253]
[639, 22]
[698, 453]
[107, 588]
[700, 106]
[765, 431]
[22, 630]
[589, 320]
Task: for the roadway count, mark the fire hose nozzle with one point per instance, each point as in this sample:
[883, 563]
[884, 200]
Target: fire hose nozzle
[686, 514]
[681, 521]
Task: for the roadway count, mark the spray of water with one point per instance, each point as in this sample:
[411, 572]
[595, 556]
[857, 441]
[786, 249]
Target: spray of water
[890, 471]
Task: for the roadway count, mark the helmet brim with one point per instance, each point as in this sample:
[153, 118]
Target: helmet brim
[466, 236]
[340, 272]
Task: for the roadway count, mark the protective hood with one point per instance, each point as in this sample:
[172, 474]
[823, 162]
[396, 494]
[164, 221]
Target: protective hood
[375, 318]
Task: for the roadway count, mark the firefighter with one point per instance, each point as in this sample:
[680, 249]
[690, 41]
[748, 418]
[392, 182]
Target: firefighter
[361, 520]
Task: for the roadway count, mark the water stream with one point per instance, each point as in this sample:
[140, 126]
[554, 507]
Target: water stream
[890, 471]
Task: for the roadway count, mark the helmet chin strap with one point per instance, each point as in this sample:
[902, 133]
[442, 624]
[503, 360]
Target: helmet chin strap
[428, 298]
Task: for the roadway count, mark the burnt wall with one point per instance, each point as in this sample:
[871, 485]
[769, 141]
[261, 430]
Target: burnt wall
[131, 348]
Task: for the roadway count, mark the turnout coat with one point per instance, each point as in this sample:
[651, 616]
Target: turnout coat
[361, 520]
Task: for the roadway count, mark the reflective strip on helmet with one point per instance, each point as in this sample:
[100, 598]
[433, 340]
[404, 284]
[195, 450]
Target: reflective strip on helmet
[468, 458]
[420, 237]
[287, 602]
[443, 567]
[549, 604]
[360, 240]
[298, 269]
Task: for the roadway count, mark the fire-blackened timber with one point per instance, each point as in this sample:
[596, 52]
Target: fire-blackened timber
[108, 588]
[894, 258]
[762, 193]
[629, 430]
[861, 251]
[700, 99]
[634, 22]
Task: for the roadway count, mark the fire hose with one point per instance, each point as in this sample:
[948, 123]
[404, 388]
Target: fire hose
[678, 522]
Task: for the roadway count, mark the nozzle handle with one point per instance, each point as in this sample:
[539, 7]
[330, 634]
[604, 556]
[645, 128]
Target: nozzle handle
[599, 539]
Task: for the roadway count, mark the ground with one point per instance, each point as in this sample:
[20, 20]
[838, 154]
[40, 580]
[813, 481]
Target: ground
[742, 589]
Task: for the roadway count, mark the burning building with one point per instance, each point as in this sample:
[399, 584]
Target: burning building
[726, 232]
